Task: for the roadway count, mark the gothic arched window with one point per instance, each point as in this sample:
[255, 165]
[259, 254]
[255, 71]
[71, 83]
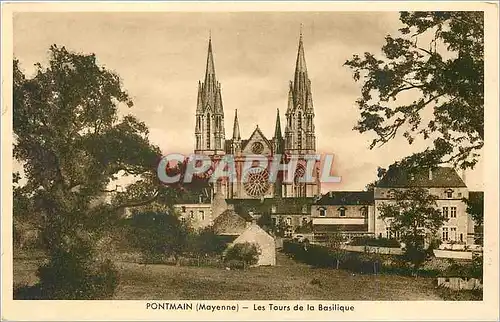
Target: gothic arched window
[299, 129]
[208, 131]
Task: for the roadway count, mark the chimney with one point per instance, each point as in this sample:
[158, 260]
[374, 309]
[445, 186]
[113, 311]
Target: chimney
[430, 174]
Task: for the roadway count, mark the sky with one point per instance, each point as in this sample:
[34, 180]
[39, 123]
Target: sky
[161, 56]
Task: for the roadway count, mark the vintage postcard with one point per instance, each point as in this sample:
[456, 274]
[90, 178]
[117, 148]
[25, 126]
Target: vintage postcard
[250, 161]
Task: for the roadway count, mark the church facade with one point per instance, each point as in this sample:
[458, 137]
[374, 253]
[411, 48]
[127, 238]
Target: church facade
[300, 205]
[297, 140]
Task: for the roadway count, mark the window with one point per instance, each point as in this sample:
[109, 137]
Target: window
[364, 211]
[453, 212]
[202, 215]
[461, 237]
[389, 233]
[289, 221]
[304, 209]
[273, 209]
[322, 212]
[453, 233]
[304, 221]
[342, 212]
[445, 233]
[275, 222]
[183, 208]
[392, 194]
[445, 212]
[191, 214]
[449, 193]
[208, 131]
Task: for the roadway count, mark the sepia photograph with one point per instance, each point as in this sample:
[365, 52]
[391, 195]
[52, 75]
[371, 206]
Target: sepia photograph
[176, 156]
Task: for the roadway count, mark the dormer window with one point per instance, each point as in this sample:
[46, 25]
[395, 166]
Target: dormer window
[391, 194]
[364, 211]
[273, 209]
[304, 209]
[342, 211]
[183, 209]
[322, 212]
[449, 193]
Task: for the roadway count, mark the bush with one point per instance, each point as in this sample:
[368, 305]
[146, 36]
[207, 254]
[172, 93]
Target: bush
[320, 256]
[235, 264]
[376, 242]
[248, 253]
[75, 275]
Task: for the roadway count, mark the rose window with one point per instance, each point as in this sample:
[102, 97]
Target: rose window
[257, 148]
[256, 182]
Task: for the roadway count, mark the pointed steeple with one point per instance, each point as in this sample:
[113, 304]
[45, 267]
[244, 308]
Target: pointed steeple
[300, 67]
[236, 127]
[210, 69]
[277, 128]
[210, 134]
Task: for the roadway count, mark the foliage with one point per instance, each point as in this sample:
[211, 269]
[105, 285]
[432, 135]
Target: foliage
[72, 144]
[365, 263]
[429, 85]
[207, 242]
[157, 234]
[246, 252]
[377, 242]
[277, 229]
[475, 208]
[415, 217]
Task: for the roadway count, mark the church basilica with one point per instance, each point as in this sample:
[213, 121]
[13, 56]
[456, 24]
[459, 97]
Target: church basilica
[298, 139]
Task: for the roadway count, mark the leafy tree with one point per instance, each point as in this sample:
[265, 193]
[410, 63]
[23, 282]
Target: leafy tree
[380, 174]
[278, 229]
[429, 84]
[475, 208]
[334, 242]
[247, 253]
[72, 143]
[414, 216]
[157, 234]
[207, 242]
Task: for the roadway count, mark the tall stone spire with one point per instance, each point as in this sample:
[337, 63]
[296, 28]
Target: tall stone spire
[277, 128]
[278, 138]
[299, 131]
[236, 127]
[209, 131]
[300, 66]
[210, 69]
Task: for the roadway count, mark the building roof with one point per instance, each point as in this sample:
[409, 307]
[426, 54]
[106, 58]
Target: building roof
[229, 223]
[281, 205]
[441, 177]
[346, 198]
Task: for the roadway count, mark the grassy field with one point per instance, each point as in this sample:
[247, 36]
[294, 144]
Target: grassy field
[288, 280]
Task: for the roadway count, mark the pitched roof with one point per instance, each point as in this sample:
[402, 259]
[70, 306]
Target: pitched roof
[229, 223]
[282, 205]
[255, 132]
[441, 177]
[346, 198]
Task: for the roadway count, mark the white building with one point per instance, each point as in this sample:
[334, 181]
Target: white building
[443, 182]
